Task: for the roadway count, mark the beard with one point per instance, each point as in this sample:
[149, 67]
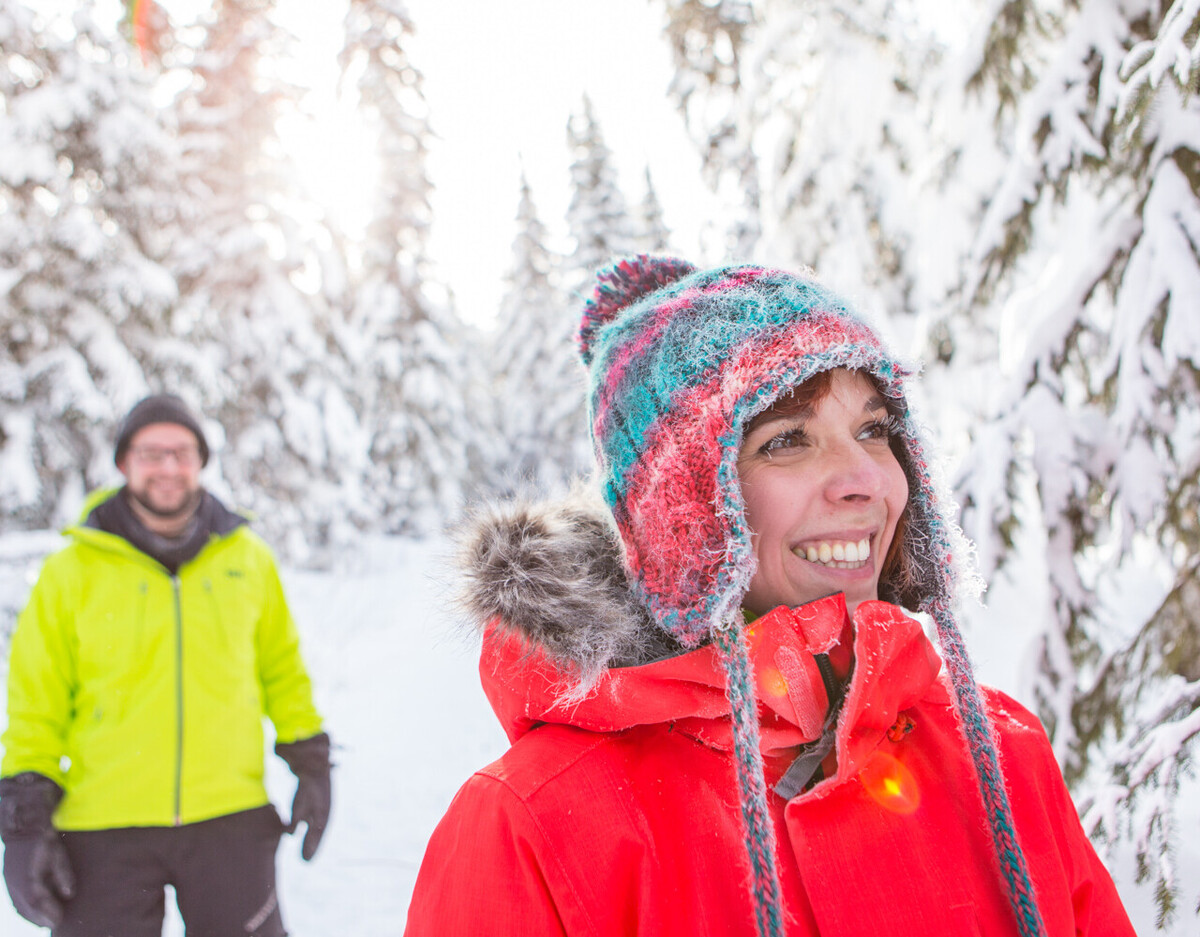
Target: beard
[180, 512]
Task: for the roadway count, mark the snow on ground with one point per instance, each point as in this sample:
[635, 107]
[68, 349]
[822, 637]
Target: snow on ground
[397, 682]
[395, 676]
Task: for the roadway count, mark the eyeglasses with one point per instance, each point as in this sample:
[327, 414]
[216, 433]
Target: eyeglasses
[184, 456]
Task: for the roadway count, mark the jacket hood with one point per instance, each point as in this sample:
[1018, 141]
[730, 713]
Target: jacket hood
[550, 576]
[564, 642]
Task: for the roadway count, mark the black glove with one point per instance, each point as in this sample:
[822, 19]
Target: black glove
[36, 869]
[309, 761]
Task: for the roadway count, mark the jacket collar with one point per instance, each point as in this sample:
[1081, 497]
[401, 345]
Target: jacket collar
[895, 664]
[108, 522]
[566, 642]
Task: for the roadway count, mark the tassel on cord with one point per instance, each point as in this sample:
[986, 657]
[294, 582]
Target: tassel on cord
[752, 786]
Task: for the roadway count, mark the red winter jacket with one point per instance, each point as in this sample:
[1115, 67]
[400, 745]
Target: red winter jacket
[618, 815]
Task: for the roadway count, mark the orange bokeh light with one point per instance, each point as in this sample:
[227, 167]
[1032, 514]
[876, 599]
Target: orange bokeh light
[773, 683]
[890, 784]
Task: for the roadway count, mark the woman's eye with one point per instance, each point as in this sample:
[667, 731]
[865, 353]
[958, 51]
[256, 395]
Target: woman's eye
[883, 428]
[788, 439]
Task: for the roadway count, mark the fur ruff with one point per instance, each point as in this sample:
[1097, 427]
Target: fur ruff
[552, 574]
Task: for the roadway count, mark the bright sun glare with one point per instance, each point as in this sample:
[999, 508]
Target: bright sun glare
[335, 160]
[332, 146]
[327, 140]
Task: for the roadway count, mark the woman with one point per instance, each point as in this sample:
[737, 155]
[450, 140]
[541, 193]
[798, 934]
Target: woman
[722, 720]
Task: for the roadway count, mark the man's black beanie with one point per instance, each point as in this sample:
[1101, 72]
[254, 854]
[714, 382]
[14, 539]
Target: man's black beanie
[159, 408]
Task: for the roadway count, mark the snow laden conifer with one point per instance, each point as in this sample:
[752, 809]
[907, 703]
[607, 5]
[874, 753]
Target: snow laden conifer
[84, 186]
[272, 375]
[1087, 259]
[812, 132]
[410, 356]
[598, 220]
[653, 236]
[706, 42]
[538, 384]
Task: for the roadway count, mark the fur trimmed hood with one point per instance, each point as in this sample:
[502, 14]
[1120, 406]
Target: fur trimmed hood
[551, 573]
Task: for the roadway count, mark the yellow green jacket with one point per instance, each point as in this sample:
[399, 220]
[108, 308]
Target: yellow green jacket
[141, 693]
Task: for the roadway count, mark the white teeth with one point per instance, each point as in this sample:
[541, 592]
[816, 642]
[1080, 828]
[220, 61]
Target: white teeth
[841, 554]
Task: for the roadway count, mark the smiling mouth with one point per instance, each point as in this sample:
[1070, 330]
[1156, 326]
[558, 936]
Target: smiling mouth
[836, 554]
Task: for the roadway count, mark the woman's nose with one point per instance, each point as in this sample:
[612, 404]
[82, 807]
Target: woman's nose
[854, 473]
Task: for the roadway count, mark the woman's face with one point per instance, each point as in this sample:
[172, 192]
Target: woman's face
[823, 493]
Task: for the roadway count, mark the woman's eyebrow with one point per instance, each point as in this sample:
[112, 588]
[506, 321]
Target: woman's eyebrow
[771, 416]
[875, 403]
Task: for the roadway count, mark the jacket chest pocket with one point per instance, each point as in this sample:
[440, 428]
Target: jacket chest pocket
[227, 608]
[121, 645]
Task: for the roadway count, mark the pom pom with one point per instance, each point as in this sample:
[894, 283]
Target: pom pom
[622, 284]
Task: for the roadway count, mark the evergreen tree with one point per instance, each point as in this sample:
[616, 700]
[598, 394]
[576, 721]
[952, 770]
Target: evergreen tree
[411, 351]
[707, 41]
[84, 179]
[653, 237]
[1034, 190]
[597, 217]
[539, 389]
[764, 88]
[276, 380]
[1088, 254]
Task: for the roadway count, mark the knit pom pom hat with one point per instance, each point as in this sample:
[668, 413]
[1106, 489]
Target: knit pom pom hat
[679, 361]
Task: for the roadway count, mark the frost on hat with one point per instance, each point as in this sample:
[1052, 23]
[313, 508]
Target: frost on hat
[679, 360]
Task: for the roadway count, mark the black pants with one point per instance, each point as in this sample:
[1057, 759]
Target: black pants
[222, 870]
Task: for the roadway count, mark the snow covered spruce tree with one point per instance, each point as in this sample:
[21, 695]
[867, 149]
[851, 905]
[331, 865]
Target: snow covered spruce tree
[811, 129]
[707, 41]
[85, 185]
[597, 217]
[538, 383]
[1088, 255]
[411, 359]
[275, 379]
[652, 235]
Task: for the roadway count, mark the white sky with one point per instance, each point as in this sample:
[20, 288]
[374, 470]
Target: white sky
[501, 81]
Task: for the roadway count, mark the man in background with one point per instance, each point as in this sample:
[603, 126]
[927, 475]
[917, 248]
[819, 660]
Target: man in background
[151, 647]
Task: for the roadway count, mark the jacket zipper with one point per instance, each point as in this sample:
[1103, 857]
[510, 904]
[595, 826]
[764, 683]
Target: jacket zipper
[178, 701]
[833, 689]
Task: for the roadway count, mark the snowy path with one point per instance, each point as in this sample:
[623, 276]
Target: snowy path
[399, 690]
